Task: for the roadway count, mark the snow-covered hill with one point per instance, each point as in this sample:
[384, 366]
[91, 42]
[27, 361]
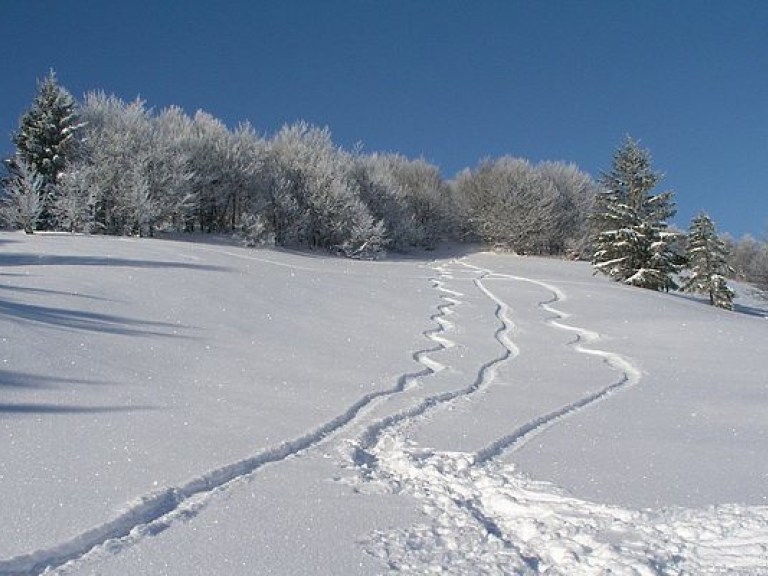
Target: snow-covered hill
[178, 408]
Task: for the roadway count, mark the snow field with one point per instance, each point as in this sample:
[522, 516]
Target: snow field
[469, 415]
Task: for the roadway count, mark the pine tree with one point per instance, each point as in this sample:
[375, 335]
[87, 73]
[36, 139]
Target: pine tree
[45, 138]
[632, 242]
[708, 262]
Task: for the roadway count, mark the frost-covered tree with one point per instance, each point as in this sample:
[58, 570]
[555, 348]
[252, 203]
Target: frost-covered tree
[227, 171]
[707, 258]
[409, 197]
[312, 198]
[532, 209]
[138, 164]
[208, 147]
[75, 207]
[23, 196]
[632, 241]
[117, 143]
[748, 258]
[575, 196]
[429, 200]
[511, 204]
[45, 138]
[168, 173]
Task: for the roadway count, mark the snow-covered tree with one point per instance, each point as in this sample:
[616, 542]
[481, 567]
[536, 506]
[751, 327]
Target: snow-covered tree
[45, 138]
[410, 197]
[632, 241]
[138, 163]
[748, 258]
[116, 149]
[575, 196]
[208, 148]
[511, 204]
[75, 207]
[707, 258]
[313, 200]
[241, 183]
[23, 196]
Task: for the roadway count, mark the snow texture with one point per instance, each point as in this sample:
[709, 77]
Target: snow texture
[179, 408]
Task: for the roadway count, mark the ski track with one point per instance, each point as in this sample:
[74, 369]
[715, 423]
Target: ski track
[486, 374]
[630, 374]
[484, 517]
[155, 512]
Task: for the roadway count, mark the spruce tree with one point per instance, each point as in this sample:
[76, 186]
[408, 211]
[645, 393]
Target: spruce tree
[632, 242]
[45, 138]
[707, 258]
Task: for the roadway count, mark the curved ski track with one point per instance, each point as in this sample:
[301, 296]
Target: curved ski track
[484, 517]
[486, 374]
[155, 512]
[630, 374]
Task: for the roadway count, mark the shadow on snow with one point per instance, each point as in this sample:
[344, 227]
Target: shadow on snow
[25, 259]
[20, 409]
[11, 379]
[88, 321]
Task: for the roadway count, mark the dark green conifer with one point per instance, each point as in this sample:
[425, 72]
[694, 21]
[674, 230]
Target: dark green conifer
[632, 242]
[708, 263]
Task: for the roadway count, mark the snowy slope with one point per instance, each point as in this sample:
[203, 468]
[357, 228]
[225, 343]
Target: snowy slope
[179, 408]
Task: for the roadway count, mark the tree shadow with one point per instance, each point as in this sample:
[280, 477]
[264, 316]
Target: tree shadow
[738, 308]
[11, 379]
[751, 310]
[26, 259]
[44, 291]
[21, 409]
[88, 321]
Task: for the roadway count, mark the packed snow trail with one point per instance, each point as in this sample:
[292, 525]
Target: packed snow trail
[484, 517]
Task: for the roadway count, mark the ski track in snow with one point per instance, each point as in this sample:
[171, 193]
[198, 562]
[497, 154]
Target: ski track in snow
[485, 376]
[155, 512]
[484, 517]
[630, 374]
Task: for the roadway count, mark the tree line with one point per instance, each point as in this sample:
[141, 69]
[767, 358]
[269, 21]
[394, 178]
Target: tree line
[106, 166]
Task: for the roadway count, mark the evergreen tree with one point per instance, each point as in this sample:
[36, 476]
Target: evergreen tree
[632, 242]
[45, 138]
[708, 261]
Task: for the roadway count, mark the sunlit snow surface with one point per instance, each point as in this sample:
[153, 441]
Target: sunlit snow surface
[196, 408]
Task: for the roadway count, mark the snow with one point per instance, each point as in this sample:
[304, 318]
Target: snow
[172, 407]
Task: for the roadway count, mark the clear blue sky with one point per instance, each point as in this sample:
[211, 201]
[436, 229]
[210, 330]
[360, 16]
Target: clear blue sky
[452, 81]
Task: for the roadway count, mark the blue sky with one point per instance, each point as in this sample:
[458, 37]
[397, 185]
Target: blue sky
[452, 81]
